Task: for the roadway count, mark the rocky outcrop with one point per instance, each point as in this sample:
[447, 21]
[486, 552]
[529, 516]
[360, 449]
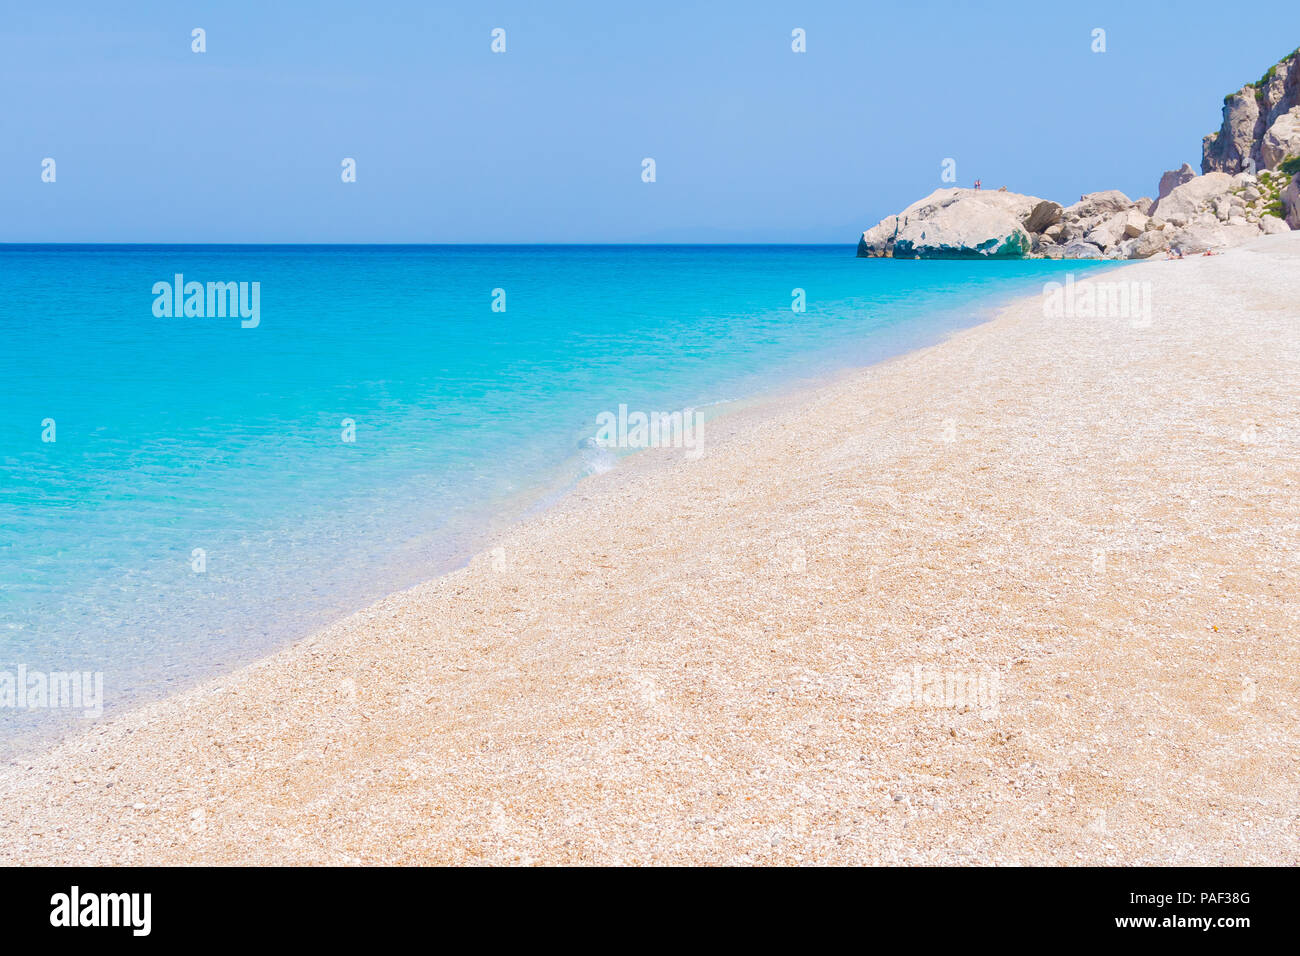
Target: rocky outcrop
[1250, 187]
[1259, 112]
[1282, 140]
[1261, 134]
[969, 223]
[1105, 225]
[1173, 179]
[1205, 212]
[1230, 149]
[1194, 197]
[955, 224]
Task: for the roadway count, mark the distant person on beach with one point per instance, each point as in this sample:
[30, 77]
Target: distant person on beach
[977, 184]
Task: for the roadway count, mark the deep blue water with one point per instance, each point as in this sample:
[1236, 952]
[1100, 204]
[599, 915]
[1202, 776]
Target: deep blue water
[181, 433]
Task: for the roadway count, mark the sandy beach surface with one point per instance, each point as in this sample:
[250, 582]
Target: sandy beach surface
[1031, 595]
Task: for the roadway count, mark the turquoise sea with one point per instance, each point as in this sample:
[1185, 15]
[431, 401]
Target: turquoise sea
[199, 505]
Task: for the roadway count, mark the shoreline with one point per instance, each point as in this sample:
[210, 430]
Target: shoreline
[474, 530]
[542, 710]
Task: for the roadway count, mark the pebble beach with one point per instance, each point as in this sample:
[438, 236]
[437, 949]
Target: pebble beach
[1027, 596]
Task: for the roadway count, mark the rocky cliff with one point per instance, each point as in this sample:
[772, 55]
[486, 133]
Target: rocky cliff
[1250, 186]
[1261, 123]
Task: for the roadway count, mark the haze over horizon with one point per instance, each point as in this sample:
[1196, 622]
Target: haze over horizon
[544, 142]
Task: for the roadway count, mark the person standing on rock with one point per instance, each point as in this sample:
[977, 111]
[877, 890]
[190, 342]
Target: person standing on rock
[977, 184]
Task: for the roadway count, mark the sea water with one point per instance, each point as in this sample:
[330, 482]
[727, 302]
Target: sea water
[184, 489]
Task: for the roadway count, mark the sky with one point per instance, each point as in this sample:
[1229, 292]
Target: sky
[545, 142]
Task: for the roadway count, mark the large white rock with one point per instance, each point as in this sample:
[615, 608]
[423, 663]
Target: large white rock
[1282, 139]
[1133, 223]
[1184, 203]
[1198, 237]
[1206, 233]
[955, 224]
[1098, 205]
[1272, 225]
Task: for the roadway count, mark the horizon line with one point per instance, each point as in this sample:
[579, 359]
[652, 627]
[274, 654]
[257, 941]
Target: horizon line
[411, 244]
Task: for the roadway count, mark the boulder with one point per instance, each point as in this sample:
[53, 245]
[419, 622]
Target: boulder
[1127, 224]
[1282, 139]
[1206, 234]
[1122, 250]
[1273, 225]
[1193, 197]
[1105, 234]
[1098, 205]
[1149, 244]
[963, 232]
[955, 224]
[1078, 249]
[1197, 237]
[1043, 216]
[1173, 179]
[1133, 223]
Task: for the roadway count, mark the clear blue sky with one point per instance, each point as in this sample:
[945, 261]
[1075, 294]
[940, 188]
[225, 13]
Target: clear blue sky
[753, 143]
